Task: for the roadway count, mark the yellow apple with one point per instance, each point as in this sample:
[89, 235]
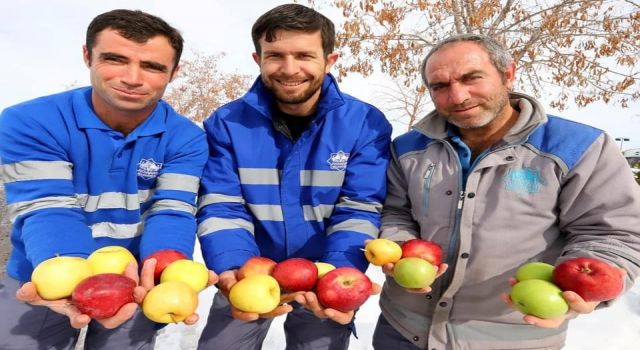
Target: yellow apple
[56, 278]
[170, 302]
[191, 272]
[257, 293]
[323, 268]
[110, 259]
[382, 251]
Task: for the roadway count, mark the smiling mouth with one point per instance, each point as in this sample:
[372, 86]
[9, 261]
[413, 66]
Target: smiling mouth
[129, 93]
[291, 83]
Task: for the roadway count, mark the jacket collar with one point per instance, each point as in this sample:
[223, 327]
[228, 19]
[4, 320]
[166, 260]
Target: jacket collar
[531, 115]
[260, 97]
[87, 119]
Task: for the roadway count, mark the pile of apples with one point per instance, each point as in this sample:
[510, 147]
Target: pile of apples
[539, 286]
[261, 280]
[98, 287]
[415, 262]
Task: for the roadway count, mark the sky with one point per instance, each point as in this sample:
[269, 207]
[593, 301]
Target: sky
[42, 50]
[41, 45]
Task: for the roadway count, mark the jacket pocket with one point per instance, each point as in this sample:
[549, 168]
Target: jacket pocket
[426, 186]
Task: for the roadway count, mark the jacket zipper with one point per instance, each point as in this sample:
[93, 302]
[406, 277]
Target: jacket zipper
[426, 187]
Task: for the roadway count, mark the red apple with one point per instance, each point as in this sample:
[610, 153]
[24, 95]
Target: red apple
[296, 274]
[592, 279]
[423, 249]
[102, 295]
[256, 265]
[343, 289]
[163, 258]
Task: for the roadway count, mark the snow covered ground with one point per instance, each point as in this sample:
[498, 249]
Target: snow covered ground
[614, 328]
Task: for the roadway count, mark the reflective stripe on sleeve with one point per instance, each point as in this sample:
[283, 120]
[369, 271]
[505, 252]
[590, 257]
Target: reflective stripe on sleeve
[112, 230]
[37, 170]
[109, 200]
[317, 213]
[357, 225]
[212, 198]
[373, 207]
[20, 208]
[178, 182]
[266, 212]
[213, 225]
[172, 204]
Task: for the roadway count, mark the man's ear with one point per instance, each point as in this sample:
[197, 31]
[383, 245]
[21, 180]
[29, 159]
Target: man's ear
[509, 75]
[256, 58]
[331, 60]
[174, 74]
[86, 55]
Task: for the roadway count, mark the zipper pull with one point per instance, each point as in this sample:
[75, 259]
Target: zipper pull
[461, 199]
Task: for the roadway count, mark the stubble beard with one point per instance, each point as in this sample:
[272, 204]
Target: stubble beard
[299, 98]
[490, 112]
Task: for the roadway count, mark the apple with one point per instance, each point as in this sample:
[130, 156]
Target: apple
[296, 274]
[539, 298]
[56, 278]
[323, 268]
[170, 302]
[163, 257]
[382, 251]
[535, 271]
[423, 249]
[193, 273]
[343, 289]
[101, 296]
[256, 265]
[256, 293]
[110, 259]
[592, 279]
[414, 273]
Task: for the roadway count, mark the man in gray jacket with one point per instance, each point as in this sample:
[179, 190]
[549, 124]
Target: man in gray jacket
[498, 183]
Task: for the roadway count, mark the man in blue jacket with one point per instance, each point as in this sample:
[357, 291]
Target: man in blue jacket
[104, 165]
[296, 169]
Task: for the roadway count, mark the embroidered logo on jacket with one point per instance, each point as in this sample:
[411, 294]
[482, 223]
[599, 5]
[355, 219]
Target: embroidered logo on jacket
[523, 181]
[338, 160]
[148, 169]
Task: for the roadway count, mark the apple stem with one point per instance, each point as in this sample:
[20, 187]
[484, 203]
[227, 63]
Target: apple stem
[364, 250]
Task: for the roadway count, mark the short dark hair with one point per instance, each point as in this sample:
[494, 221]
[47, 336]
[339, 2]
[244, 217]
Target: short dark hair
[498, 54]
[293, 17]
[137, 26]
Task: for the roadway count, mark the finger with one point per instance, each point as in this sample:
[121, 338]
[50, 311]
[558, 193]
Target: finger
[123, 315]
[226, 280]
[577, 304]
[131, 271]
[507, 299]
[424, 290]
[375, 288]
[442, 269]
[280, 310]
[213, 278]
[338, 316]
[387, 269]
[192, 319]
[544, 323]
[28, 294]
[244, 316]
[79, 321]
[289, 297]
[139, 293]
[146, 274]
[366, 241]
[512, 281]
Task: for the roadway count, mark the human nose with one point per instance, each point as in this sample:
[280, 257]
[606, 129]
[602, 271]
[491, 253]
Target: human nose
[458, 93]
[289, 66]
[132, 76]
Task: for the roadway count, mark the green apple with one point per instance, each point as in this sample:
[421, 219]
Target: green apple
[56, 278]
[323, 268]
[110, 259]
[170, 302]
[191, 272]
[539, 298]
[381, 251]
[414, 273]
[256, 293]
[535, 271]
